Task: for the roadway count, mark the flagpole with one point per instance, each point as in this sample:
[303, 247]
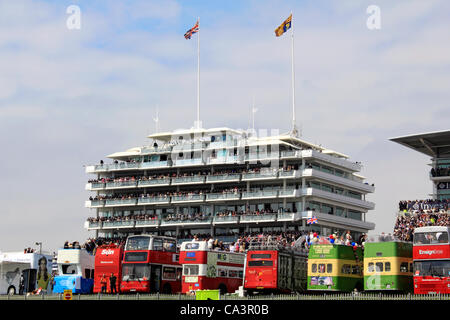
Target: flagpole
[198, 75]
[294, 127]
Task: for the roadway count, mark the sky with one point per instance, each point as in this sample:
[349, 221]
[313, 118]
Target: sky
[69, 97]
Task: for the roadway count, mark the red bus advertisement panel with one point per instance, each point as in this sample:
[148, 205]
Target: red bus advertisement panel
[108, 259]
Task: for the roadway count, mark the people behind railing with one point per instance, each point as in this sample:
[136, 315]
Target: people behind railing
[440, 172]
[405, 224]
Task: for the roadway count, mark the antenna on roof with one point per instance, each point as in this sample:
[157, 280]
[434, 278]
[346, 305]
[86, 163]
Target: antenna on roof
[156, 120]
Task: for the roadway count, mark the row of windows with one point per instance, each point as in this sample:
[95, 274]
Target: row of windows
[328, 268]
[230, 273]
[386, 267]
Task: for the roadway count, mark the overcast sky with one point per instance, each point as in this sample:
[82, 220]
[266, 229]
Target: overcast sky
[69, 97]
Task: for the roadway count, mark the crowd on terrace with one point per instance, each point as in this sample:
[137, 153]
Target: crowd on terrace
[440, 172]
[405, 224]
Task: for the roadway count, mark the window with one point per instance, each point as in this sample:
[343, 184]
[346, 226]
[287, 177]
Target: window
[169, 273]
[431, 238]
[69, 269]
[379, 266]
[387, 266]
[346, 269]
[260, 263]
[329, 268]
[135, 256]
[314, 268]
[192, 246]
[404, 267]
[355, 269]
[370, 267]
[261, 256]
[321, 268]
[233, 274]
[138, 243]
[169, 245]
[190, 269]
[135, 271]
[157, 244]
[221, 272]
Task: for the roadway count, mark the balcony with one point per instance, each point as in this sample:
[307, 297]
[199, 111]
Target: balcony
[223, 196]
[260, 194]
[288, 216]
[288, 193]
[337, 221]
[92, 225]
[120, 202]
[225, 219]
[338, 198]
[154, 164]
[147, 223]
[118, 224]
[92, 186]
[343, 163]
[338, 180]
[227, 159]
[188, 162]
[153, 200]
[95, 203]
[188, 198]
[258, 218]
[184, 222]
[121, 185]
[265, 175]
[291, 174]
[154, 182]
[188, 180]
[232, 177]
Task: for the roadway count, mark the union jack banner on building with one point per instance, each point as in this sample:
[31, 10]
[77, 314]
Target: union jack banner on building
[191, 31]
[311, 220]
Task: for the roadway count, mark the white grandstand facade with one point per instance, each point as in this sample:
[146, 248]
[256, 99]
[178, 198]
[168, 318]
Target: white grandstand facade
[226, 182]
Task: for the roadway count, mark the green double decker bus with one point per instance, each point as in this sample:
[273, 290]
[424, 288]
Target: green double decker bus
[335, 267]
[388, 266]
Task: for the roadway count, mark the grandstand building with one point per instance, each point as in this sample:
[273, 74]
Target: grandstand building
[225, 182]
[436, 145]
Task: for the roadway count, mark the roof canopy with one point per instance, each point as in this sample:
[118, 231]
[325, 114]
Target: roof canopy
[433, 144]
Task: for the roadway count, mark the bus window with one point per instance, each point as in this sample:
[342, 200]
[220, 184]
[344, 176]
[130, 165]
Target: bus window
[179, 272]
[346, 269]
[157, 244]
[314, 268]
[442, 237]
[135, 271]
[379, 266]
[233, 273]
[138, 243]
[387, 266]
[370, 267]
[169, 273]
[329, 268]
[261, 256]
[260, 263]
[192, 246]
[136, 256]
[69, 268]
[355, 269]
[169, 245]
[190, 270]
[419, 238]
[241, 274]
[321, 268]
[404, 267]
[221, 272]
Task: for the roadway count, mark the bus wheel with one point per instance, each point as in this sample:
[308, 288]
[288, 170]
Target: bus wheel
[167, 289]
[11, 291]
[222, 288]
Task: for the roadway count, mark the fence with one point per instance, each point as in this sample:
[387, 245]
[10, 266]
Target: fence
[323, 297]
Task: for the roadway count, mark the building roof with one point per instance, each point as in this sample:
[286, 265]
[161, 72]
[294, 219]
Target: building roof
[433, 144]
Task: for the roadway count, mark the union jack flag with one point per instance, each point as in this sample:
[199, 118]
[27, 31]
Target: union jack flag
[311, 220]
[191, 31]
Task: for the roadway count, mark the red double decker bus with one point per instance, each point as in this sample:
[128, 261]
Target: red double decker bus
[431, 255]
[108, 259]
[150, 264]
[272, 268]
[209, 269]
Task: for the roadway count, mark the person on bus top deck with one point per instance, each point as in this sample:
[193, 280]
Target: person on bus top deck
[103, 283]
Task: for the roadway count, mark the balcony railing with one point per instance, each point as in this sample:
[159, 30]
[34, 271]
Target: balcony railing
[121, 184]
[223, 177]
[154, 182]
[207, 220]
[120, 202]
[153, 200]
[118, 224]
[188, 179]
[288, 193]
[226, 219]
[95, 203]
[289, 174]
[147, 223]
[259, 175]
[258, 218]
[260, 194]
[96, 185]
[287, 216]
[154, 164]
[223, 196]
[187, 162]
[188, 198]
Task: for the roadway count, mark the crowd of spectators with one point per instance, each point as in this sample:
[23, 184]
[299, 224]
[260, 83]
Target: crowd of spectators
[405, 224]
